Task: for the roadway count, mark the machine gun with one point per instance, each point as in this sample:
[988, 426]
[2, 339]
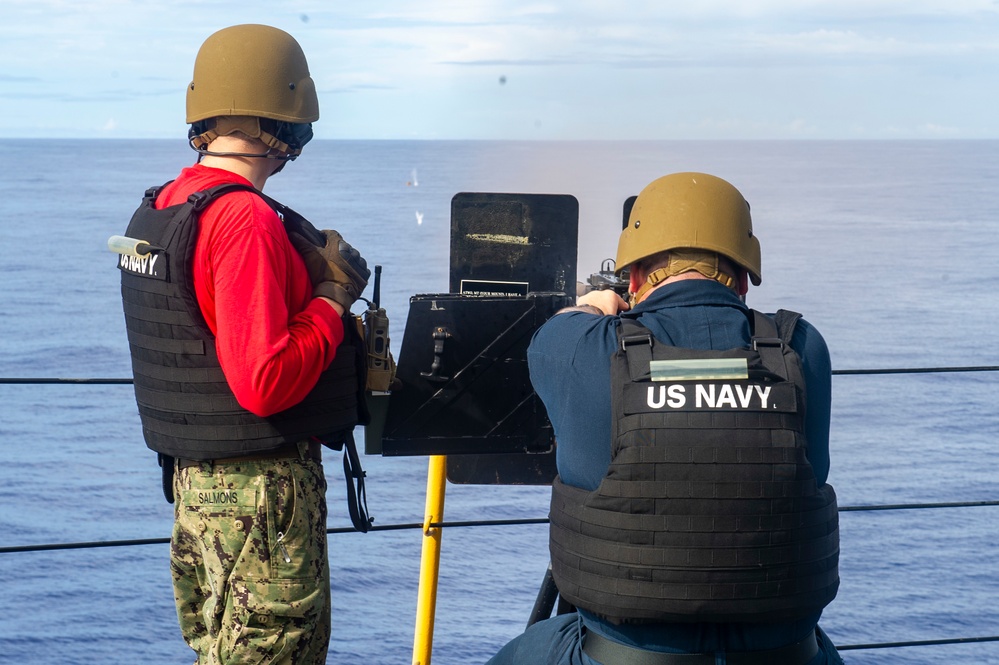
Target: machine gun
[605, 278]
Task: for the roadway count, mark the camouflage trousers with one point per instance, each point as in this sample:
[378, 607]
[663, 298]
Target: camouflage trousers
[248, 558]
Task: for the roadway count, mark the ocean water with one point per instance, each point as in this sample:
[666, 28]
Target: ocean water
[889, 248]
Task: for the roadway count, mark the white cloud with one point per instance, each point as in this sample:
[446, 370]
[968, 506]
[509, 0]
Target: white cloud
[939, 130]
[826, 41]
[799, 127]
[588, 68]
[854, 9]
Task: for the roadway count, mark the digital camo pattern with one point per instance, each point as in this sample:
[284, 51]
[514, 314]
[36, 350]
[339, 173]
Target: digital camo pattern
[249, 561]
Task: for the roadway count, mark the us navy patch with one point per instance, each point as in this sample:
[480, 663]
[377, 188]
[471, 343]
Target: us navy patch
[152, 265]
[708, 396]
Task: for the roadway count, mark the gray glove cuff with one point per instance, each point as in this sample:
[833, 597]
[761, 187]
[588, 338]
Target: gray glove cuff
[334, 292]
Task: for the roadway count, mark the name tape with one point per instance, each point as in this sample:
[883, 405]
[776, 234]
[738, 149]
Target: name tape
[219, 498]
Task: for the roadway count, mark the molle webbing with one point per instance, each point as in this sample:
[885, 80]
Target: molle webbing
[185, 404]
[709, 510]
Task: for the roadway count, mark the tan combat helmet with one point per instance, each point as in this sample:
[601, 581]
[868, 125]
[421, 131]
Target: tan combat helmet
[247, 72]
[690, 211]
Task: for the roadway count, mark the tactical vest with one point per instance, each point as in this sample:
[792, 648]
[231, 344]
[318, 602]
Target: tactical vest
[185, 404]
[709, 510]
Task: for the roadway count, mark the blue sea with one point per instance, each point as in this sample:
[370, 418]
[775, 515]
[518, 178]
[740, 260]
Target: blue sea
[890, 248]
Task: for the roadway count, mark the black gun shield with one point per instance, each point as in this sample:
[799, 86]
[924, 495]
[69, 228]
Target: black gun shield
[465, 384]
[466, 391]
[513, 243]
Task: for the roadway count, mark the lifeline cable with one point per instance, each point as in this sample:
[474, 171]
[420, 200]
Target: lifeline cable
[508, 522]
[443, 525]
[836, 372]
[917, 643]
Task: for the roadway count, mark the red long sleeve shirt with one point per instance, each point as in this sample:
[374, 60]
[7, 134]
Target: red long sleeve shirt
[272, 337]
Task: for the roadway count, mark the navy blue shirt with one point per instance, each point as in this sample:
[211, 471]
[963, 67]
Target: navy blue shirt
[569, 360]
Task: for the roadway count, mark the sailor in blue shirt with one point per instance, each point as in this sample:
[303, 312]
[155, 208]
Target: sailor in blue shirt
[691, 252]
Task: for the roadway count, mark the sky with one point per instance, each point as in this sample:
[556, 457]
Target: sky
[526, 69]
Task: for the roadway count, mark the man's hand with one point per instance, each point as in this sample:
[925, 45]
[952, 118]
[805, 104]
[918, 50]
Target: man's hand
[602, 302]
[338, 271]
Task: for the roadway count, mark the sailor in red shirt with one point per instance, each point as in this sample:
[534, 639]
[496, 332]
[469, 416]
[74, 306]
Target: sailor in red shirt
[273, 337]
[242, 362]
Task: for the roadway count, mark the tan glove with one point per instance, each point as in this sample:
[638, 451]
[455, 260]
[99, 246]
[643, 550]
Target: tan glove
[338, 271]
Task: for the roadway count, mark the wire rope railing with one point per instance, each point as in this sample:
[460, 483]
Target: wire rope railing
[835, 372]
[917, 643]
[544, 520]
[450, 525]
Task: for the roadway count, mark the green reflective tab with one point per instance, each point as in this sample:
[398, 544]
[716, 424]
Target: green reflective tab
[699, 369]
[219, 498]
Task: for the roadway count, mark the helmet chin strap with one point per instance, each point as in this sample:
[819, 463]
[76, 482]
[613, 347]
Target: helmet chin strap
[249, 126]
[681, 261]
[204, 152]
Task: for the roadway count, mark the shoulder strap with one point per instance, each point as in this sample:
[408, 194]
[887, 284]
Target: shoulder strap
[771, 336]
[786, 321]
[780, 326]
[293, 222]
[153, 192]
[635, 341]
[200, 200]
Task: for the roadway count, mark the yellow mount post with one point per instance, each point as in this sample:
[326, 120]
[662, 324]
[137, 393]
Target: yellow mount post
[426, 600]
